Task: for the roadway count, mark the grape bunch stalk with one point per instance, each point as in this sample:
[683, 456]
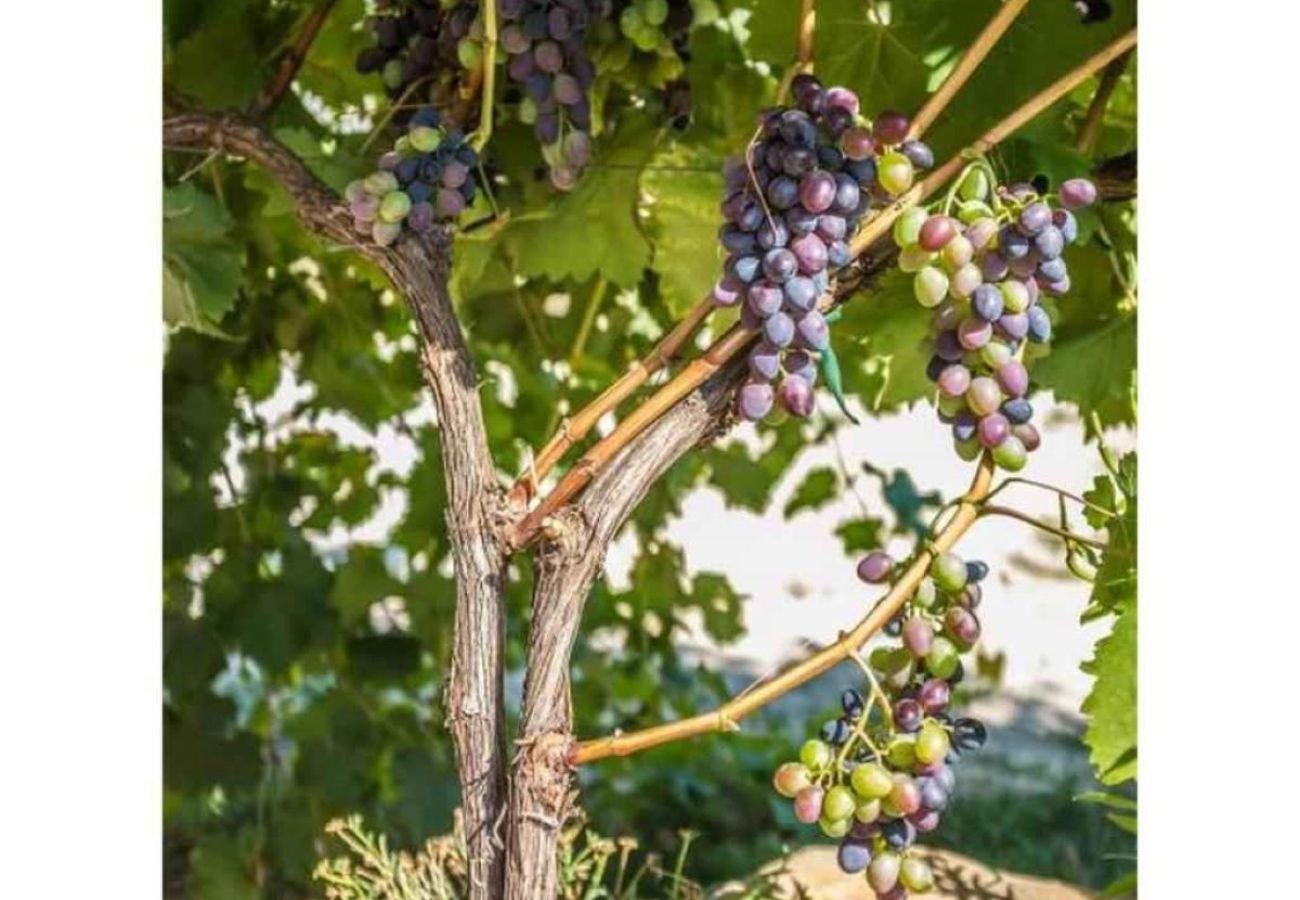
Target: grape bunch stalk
[884, 771]
[547, 56]
[791, 206]
[982, 264]
[428, 176]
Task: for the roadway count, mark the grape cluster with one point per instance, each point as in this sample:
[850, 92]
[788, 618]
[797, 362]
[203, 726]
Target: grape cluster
[791, 207]
[982, 271]
[883, 772]
[426, 177]
[547, 56]
[417, 41]
[646, 42]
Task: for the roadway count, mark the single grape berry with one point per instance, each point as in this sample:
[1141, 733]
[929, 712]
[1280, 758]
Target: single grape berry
[875, 567]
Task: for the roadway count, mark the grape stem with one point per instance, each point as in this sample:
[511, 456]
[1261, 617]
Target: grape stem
[526, 486]
[803, 48]
[811, 667]
[739, 337]
[1060, 492]
[1090, 127]
[1062, 533]
[483, 133]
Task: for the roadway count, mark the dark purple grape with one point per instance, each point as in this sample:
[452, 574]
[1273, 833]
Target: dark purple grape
[969, 734]
[852, 703]
[1038, 325]
[908, 715]
[919, 153]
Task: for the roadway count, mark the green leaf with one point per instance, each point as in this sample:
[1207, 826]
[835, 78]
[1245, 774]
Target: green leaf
[202, 265]
[818, 487]
[595, 227]
[683, 226]
[1105, 798]
[860, 535]
[363, 581]
[1111, 706]
[884, 344]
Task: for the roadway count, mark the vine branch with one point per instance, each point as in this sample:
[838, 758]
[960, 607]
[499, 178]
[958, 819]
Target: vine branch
[292, 62]
[1090, 127]
[820, 662]
[966, 66]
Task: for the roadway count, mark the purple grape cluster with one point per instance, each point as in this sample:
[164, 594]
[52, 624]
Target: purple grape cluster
[791, 207]
[882, 773]
[421, 41]
[983, 271]
[428, 176]
[547, 57]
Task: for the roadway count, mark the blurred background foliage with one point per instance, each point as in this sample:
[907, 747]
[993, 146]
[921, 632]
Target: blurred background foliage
[307, 587]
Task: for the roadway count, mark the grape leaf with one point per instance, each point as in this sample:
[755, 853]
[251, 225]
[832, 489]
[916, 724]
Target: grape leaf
[595, 227]
[1111, 706]
[682, 226]
[860, 534]
[203, 266]
[884, 344]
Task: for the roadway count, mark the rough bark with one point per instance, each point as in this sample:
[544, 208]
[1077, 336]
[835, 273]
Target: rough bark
[568, 561]
[418, 269]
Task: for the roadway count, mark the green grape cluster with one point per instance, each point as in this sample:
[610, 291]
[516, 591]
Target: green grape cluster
[883, 772]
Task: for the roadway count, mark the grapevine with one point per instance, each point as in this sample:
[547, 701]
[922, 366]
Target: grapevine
[427, 176]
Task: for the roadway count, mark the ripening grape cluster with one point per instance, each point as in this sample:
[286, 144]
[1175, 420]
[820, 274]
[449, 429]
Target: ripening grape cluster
[418, 42]
[791, 207]
[645, 42]
[547, 56]
[982, 268]
[883, 772]
[426, 177]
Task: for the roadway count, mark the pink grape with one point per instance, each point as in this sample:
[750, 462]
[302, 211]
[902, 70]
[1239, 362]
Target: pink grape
[1013, 378]
[796, 397]
[1077, 192]
[917, 636]
[962, 625]
[993, 429]
[936, 232]
[954, 380]
[925, 821]
[905, 796]
[974, 333]
[790, 779]
[875, 567]
[808, 804]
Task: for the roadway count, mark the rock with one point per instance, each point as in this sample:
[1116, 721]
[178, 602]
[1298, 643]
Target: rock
[957, 877]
